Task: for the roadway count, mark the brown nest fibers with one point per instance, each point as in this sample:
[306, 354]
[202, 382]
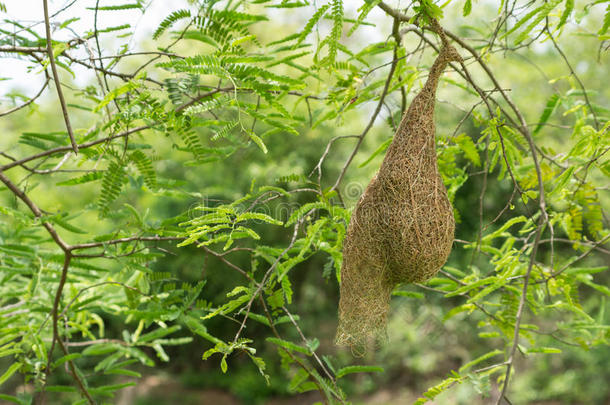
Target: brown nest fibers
[401, 230]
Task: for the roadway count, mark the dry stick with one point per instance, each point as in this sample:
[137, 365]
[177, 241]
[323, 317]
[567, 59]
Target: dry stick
[60, 95]
[99, 48]
[582, 256]
[170, 55]
[570, 241]
[155, 238]
[30, 101]
[313, 352]
[22, 49]
[123, 76]
[55, 169]
[61, 149]
[221, 257]
[477, 251]
[318, 167]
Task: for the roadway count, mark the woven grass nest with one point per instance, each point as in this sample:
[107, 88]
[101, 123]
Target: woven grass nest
[402, 228]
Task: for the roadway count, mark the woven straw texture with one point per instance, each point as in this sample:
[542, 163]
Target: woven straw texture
[402, 228]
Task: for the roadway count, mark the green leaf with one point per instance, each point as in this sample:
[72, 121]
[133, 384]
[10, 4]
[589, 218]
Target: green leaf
[543, 12]
[110, 388]
[8, 373]
[551, 105]
[559, 183]
[365, 9]
[233, 304]
[289, 346]
[504, 227]
[170, 20]
[93, 176]
[548, 350]
[469, 148]
[123, 371]
[566, 13]
[66, 358]
[359, 369]
[606, 23]
[159, 333]
[336, 30]
[304, 209]
[380, 149]
[438, 389]
[130, 6]
[479, 360]
[408, 294]
[197, 327]
[459, 309]
[299, 378]
[467, 8]
[144, 165]
[7, 397]
[115, 28]
[112, 183]
[119, 91]
[67, 226]
[258, 141]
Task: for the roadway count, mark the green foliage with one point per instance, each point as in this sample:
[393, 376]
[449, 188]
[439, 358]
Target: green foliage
[187, 218]
[112, 183]
[606, 23]
[171, 20]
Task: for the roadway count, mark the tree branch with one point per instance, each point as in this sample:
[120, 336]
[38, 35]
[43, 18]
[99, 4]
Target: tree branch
[60, 94]
[30, 101]
[384, 92]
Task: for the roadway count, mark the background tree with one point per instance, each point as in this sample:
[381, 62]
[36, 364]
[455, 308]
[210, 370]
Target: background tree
[189, 193]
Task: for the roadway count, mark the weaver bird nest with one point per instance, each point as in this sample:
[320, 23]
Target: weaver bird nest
[401, 230]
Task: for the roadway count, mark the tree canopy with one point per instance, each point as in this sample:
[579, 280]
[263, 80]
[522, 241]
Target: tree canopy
[185, 188]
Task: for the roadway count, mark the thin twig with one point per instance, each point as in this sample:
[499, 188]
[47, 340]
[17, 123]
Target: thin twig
[30, 101]
[62, 149]
[377, 109]
[60, 94]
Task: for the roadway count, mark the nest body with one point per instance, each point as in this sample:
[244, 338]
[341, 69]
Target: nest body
[402, 228]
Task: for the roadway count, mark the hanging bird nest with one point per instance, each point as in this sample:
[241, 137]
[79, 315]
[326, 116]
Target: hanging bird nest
[402, 228]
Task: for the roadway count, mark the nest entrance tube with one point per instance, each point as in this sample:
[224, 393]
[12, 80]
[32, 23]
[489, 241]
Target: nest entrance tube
[402, 228]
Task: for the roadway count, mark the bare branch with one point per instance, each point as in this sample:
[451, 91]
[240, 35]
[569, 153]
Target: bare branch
[60, 93]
